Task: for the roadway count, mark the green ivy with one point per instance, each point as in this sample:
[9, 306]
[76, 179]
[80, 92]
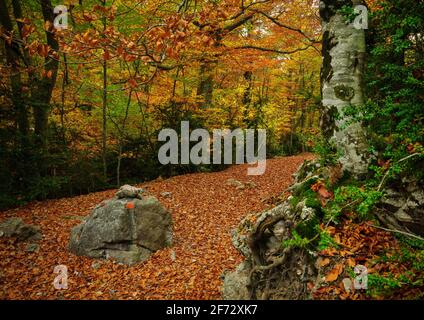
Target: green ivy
[351, 198]
[325, 240]
[296, 241]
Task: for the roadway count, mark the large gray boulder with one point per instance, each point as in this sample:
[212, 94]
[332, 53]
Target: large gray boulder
[15, 227]
[127, 228]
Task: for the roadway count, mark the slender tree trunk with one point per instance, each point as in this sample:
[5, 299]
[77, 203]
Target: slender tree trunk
[247, 96]
[342, 84]
[65, 81]
[104, 123]
[104, 108]
[121, 138]
[205, 88]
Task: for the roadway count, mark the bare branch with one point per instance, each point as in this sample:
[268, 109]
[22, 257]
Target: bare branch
[278, 23]
[273, 50]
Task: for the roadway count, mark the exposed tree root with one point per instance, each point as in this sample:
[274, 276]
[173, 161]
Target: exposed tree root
[281, 273]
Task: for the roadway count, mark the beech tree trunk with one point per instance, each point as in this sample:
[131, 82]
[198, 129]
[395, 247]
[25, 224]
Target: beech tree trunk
[343, 52]
[205, 88]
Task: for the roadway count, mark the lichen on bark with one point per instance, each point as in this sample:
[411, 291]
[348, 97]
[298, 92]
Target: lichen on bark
[342, 84]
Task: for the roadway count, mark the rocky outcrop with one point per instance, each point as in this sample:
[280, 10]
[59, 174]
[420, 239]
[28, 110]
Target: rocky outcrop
[272, 270]
[402, 206]
[236, 283]
[15, 227]
[127, 228]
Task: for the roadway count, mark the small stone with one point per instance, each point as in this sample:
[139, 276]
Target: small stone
[127, 191]
[235, 183]
[166, 194]
[173, 255]
[10, 226]
[15, 227]
[95, 265]
[251, 184]
[32, 247]
[347, 284]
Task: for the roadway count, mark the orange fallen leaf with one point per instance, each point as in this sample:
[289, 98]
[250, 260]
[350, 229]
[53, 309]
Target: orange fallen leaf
[323, 192]
[334, 273]
[351, 262]
[328, 252]
[331, 230]
[324, 262]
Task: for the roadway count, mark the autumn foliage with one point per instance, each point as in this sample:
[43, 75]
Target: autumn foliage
[97, 92]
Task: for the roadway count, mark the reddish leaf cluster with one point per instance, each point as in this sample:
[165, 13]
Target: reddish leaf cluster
[358, 244]
[323, 194]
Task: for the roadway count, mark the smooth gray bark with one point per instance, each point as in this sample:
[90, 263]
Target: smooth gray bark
[342, 84]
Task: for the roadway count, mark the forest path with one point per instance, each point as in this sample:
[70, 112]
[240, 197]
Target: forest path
[204, 208]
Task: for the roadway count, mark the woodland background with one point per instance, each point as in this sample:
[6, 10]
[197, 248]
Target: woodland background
[81, 108]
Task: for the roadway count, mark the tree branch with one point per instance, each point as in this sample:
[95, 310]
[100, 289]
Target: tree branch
[397, 231]
[278, 23]
[238, 23]
[272, 50]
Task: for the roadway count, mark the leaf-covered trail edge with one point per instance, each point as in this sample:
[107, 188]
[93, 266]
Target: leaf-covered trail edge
[204, 208]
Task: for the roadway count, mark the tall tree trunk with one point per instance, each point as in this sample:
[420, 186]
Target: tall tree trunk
[12, 59]
[342, 73]
[121, 133]
[104, 122]
[22, 164]
[205, 88]
[104, 106]
[43, 88]
[65, 81]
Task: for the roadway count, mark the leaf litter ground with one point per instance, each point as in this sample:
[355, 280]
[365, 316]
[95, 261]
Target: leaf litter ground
[205, 208]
